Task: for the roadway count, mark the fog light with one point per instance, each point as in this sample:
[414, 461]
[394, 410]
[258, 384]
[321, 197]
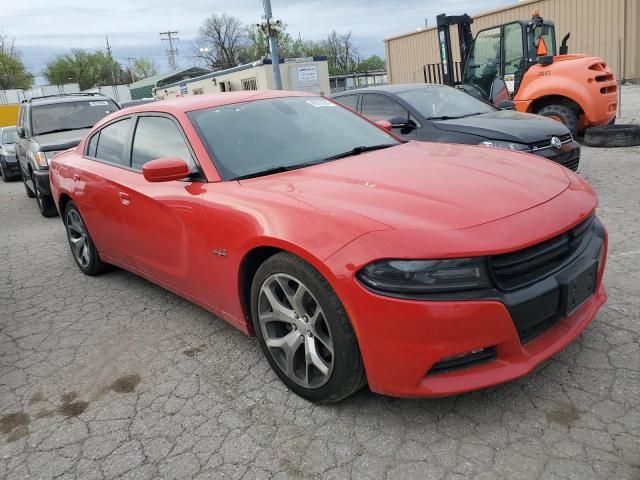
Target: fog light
[464, 360]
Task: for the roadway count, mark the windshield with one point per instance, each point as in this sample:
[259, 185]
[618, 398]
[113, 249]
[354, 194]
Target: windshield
[8, 135]
[444, 102]
[282, 133]
[69, 115]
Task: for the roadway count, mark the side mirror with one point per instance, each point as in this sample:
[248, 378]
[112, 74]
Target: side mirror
[399, 122]
[385, 124]
[506, 105]
[165, 170]
[20, 132]
[499, 92]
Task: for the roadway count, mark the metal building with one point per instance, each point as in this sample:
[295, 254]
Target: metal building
[606, 28]
[310, 74]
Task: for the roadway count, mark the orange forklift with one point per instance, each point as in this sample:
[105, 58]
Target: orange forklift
[517, 62]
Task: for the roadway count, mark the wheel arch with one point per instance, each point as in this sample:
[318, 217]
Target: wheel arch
[256, 255]
[63, 200]
[546, 100]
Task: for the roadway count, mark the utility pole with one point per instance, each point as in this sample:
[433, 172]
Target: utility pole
[110, 58]
[272, 26]
[173, 52]
[130, 68]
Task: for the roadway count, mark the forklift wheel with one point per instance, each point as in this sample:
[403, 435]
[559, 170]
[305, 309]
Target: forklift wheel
[613, 136]
[562, 114]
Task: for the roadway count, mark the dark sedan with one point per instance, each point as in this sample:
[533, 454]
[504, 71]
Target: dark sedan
[8, 162]
[437, 113]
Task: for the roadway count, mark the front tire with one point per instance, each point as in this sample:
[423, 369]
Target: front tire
[45, 203]
[82, 247]
[563, 114]
[27, 190]
[2, 172]
[304, 331]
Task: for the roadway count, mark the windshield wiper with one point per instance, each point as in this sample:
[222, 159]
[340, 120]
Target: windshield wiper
[444, 117]
[358, 151]
[58, 130]
[268, 171]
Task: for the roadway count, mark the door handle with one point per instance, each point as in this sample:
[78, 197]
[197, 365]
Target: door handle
[76, 177]
[124, 198]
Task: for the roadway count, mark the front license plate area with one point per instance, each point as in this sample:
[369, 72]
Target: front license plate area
[576, 289]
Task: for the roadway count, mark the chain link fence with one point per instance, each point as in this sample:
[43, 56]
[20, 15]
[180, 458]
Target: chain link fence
[629, 103]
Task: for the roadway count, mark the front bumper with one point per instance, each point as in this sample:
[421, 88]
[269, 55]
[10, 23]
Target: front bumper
[41, 177]
[403, 339]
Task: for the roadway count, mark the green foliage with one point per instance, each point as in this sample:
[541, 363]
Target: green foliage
[13, 73]
[371, 64]
[144, 67]
[88, 69]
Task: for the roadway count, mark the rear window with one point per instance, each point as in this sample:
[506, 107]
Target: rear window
[8, 135]
[58, 117]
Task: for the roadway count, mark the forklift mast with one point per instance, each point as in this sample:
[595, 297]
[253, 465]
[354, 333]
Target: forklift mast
[465, 40]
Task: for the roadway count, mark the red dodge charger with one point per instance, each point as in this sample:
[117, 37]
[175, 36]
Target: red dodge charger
[420, 269]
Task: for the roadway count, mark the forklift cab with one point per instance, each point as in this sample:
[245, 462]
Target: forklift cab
[507, 51]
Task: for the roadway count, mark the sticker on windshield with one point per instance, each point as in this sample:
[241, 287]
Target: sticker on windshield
[321, 102]
[101, 103]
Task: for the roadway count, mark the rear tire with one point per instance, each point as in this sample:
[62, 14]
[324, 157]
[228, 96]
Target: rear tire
[2, 172]
[312, 345]
[82, 247]
[45, 202]
[562, 114]
[613, 136]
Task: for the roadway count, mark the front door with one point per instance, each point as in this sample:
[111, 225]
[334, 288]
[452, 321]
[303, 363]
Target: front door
[161, 220]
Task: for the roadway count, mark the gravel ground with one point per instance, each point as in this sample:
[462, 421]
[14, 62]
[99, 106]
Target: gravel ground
[113, 377]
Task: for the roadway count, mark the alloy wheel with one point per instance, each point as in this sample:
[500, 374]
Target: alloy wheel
[78, 238]
[37, 193]
[296, 331]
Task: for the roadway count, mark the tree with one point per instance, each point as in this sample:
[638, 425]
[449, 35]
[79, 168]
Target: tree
[224, 38]
[342, 55]
[85, 68]
[371, 64]
[13, 73]
[144, 67]
[257, 44]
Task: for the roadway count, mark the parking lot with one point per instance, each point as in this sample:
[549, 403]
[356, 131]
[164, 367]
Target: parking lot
[113, 377]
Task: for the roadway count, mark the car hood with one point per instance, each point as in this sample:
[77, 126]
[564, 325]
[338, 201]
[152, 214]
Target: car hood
[61, 140]
[507, 125]
[8, 147]
[424, 185]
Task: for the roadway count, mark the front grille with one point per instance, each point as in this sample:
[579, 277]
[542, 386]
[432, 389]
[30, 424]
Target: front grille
[572, 164]
[517, 269]
[543, 144]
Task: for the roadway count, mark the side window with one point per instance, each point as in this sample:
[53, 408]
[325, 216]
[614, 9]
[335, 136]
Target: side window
[379, 107]
[513, 55]
[93, 145]
[484, 61]
[111, 142]
[349, 101]
[158, 137]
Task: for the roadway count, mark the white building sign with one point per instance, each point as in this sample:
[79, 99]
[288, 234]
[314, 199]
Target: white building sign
[308, 73]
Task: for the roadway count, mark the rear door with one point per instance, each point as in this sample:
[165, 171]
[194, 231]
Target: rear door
[97, 186]
[162, 220]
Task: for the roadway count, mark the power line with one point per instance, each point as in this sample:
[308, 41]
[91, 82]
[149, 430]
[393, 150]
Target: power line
[173, 52]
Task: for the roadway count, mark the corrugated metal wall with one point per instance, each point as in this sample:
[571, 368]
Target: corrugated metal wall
[597, 27]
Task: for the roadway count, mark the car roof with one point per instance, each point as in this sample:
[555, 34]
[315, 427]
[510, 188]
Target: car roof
[403, 87]
[199, 102]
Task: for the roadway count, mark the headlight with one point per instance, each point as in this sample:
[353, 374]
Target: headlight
[425, 276]
[44, 158]
[507, 145]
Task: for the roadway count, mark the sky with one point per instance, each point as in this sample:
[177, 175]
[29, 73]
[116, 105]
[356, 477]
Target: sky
[45, 28]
